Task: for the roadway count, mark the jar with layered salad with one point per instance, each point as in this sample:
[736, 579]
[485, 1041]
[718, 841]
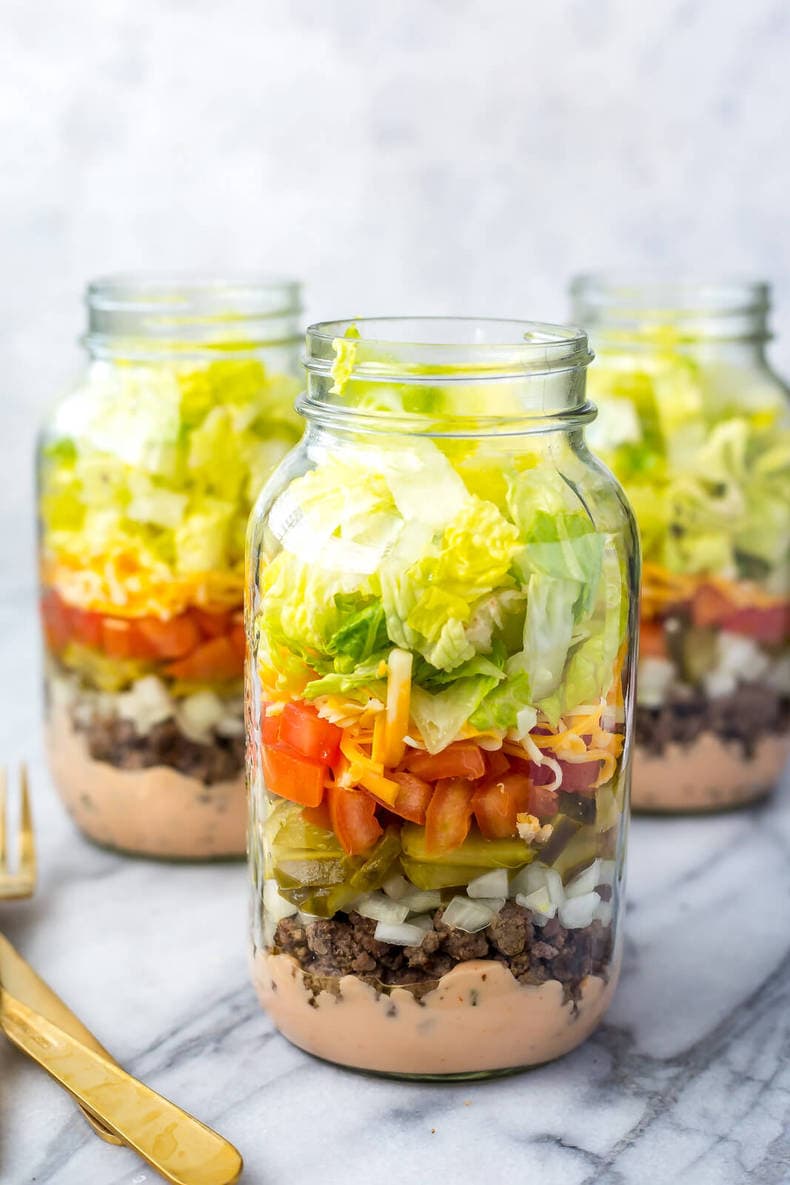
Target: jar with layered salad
[441, 615]
[697, 428]
[147, 471]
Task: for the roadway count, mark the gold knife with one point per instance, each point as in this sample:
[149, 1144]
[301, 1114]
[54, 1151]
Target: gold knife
[22, 981]
[181, 1148]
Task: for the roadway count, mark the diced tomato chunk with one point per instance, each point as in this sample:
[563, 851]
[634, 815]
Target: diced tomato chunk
[652, 640]
[354, 822]
[86, 627]
[118, 638]
[210, 623]
[449, 815]
[770, 624]
[303, 729]
[55, 617]
[710, 605]
[542, 801]
[293, 776]
[238, 640]
[497, 763]
[318, 816]
[496, 804]
[578, 777]
[170, 639]
[213, 661]
[414, 794]
[464, 759]
[270, 728]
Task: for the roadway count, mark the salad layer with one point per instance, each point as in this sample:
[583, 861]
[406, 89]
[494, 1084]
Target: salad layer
[703, 451]
[440, 656]
[147, 475]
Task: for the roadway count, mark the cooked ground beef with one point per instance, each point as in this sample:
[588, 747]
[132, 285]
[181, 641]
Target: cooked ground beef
[743, 717]
[116, 741]
[345, 945]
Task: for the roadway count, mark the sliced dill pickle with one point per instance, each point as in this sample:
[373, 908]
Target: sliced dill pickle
[607, 809]
[291, 835]
[580, 850]
[321, 902]
[581, 807]
[295, 871]
[374, 871]
[565, 829]
[437, 876]
[475, 852]
[699, 652]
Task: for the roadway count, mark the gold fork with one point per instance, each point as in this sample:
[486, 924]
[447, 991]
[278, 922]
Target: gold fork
[22, 883]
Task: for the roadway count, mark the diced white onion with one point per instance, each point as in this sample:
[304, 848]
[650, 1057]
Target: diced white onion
[382, 909]
[577, 912]
[606, 872]
[490, 884]
[276, 907]
[423, 920]
[404, 934]
[396, 887]
[145, 704]
[199, 714]
[495, 904]
[539, 903]
[656, 676]
[421, 900]
[528, 879]
[603, 912]
[470, 916]
[554, 886]
[585, 881]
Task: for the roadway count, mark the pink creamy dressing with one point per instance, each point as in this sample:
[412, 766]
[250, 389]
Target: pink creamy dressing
[156, 811]
[478, 1018]
[706, 774]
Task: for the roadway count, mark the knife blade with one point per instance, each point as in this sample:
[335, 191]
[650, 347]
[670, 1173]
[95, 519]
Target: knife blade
[22, 982]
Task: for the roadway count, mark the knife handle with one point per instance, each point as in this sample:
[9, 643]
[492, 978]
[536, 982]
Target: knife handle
[181, 1148]
[21, 980]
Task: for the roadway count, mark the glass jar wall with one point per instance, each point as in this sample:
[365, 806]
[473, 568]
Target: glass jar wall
[696, 427]
[441, 615]
[147, 471]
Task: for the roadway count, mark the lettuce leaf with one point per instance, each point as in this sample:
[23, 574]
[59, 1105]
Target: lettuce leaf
[429, 602]
[441, 717]
[500, 710]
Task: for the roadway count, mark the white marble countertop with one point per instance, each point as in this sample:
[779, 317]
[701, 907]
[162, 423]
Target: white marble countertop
[687, 1081]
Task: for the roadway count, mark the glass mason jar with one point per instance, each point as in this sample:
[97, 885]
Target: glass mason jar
[147, 470]
[696, 427]
[441, 616]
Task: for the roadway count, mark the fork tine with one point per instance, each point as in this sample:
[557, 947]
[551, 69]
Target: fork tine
[27, 843]
[3, 785]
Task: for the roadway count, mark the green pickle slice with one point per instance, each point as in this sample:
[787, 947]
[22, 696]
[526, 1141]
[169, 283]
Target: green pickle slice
[460, 865]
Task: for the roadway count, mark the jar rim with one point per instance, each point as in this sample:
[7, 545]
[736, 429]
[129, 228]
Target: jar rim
[142, 315]
[721, 307]
[446, 376]
[201, 294]
[431, 349]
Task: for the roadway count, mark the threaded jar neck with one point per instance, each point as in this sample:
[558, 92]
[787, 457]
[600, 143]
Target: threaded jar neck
[653, 311]
[446, 376]
[147, 316]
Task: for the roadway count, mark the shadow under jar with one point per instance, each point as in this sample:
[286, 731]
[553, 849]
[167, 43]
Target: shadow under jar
[441, 614]
[147, 471]
[697, 428]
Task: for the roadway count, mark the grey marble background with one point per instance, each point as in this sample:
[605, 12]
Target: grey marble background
[460, 156]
